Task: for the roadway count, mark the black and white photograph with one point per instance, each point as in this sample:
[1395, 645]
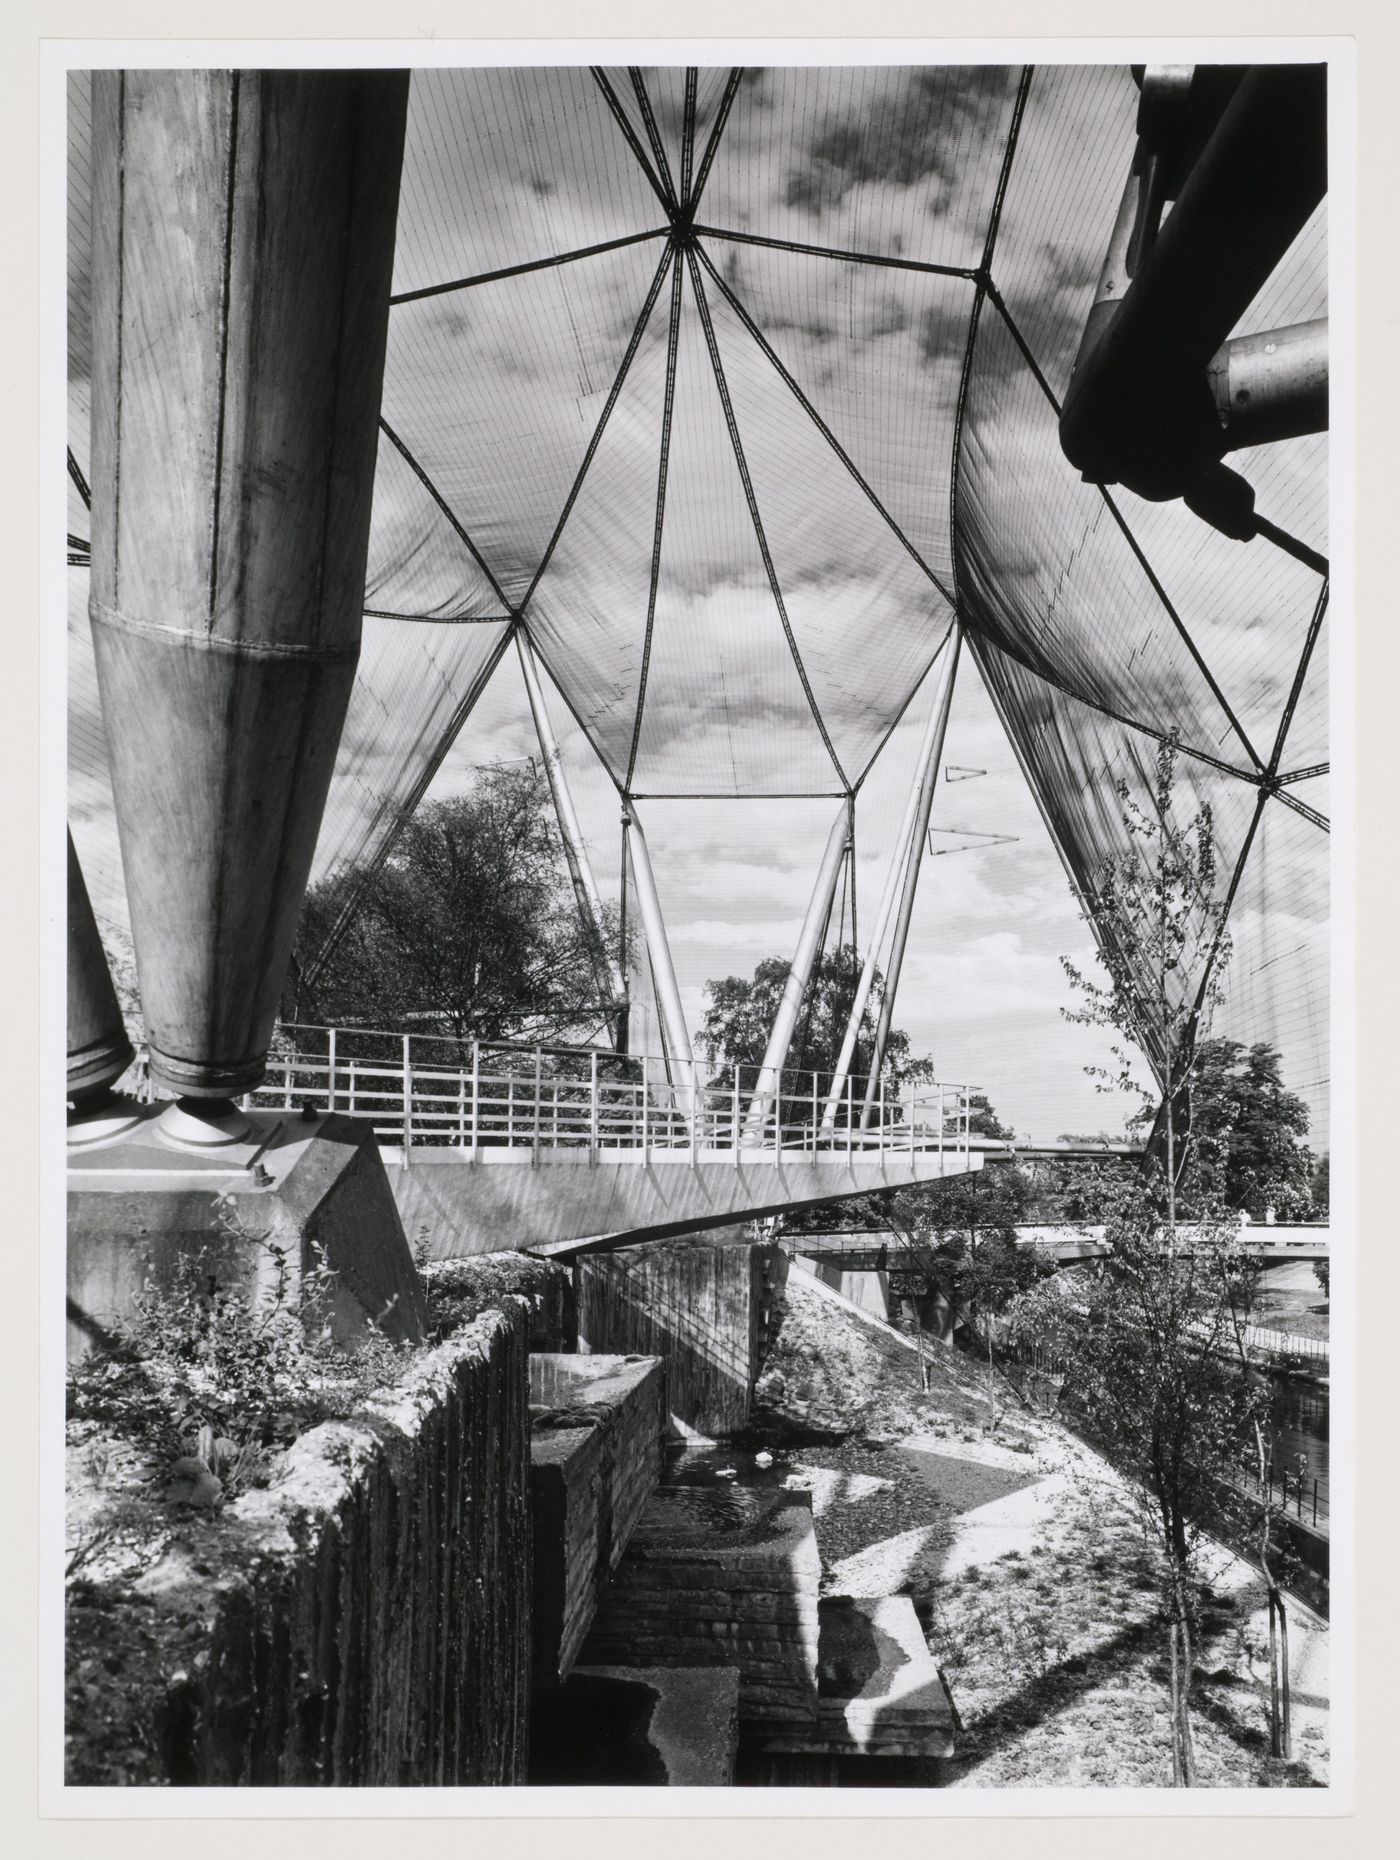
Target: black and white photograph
[702, 932]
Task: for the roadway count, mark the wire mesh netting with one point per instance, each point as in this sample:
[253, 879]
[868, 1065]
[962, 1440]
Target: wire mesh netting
[730, 388]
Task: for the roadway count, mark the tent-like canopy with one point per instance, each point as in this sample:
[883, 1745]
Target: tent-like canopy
[732, 388]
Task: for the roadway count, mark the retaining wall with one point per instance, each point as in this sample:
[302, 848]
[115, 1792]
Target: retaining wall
[365, 1620]
[706, 1307]
[589, 1483]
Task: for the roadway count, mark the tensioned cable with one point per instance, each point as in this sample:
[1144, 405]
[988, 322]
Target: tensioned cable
[75, 472]
[634, 343]
[624, 123]
[692, 77]
[793, 387]
[404, 811]
[1319, 613]
[804, 249]
[383, 613]
[898, 717]
[726, 103]
[658, 148]
[457, 526]
[983, 277]
[528, 265]
[663, 467]
[1131, 539]
[697, 286]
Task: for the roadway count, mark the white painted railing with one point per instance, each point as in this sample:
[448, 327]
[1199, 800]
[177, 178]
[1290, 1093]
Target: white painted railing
[477, 1095]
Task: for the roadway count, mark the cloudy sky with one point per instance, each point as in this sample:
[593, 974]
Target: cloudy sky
[528, 415]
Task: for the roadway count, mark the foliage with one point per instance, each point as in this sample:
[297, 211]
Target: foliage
[469, 930]
[1150, 1337]
[739, 1016]
[201, 1371]
[1245, 1134]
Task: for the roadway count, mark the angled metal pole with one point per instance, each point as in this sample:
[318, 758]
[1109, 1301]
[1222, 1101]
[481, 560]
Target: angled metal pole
[590, 907]
[668, 995]
[930, 750]
[803, 962]
[942, 704]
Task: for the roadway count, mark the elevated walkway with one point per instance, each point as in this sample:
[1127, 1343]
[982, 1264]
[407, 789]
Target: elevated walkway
[566, 1150]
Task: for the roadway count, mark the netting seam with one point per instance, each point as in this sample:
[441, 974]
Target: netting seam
[692, 77]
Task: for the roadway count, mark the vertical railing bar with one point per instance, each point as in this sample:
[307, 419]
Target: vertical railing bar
[330, 1070]
[850, 1101]
[593, 1108]
[644, 1108]
[407, 1097]
[734, 1116]
[535, 1129]
[814, 1111]
[476, 1097]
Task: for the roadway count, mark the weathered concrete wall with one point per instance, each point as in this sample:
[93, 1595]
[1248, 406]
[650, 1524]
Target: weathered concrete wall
[364, 1621]
[589, 1483]
[706, 1307]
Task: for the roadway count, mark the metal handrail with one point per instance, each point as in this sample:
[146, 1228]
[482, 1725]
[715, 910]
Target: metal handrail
[503, 1094]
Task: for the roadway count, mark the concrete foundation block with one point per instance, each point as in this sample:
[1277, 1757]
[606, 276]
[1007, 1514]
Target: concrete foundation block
[301, 1211]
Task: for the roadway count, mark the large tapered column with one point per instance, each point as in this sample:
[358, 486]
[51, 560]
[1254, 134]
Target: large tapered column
[770, 1076]
[243, 238]
[906, 846]
[942, 705]
[98, 1048]
[590, 906]
[668, 994]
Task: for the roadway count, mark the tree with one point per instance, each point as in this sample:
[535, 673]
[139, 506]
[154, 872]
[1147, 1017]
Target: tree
[468, 930]
[1247, 1130]
[958, 1241]
[1150, 1337]
[739, 1016]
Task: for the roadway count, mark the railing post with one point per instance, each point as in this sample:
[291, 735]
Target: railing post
[407, 1097]
[814, 1112]
[535, 1129]
[476, 1097]
[734, 1116]
[850, 1116]
[354, 1105]
[330, 1070]
[697, 1123]
[644, 1108]
[286, 1081]
[593, 1108]
[882, 1116]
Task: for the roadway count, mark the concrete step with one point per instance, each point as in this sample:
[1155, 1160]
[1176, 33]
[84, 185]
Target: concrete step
[879, 1690]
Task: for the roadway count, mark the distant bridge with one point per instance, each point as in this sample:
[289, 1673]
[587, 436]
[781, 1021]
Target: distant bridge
[857, 1250]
